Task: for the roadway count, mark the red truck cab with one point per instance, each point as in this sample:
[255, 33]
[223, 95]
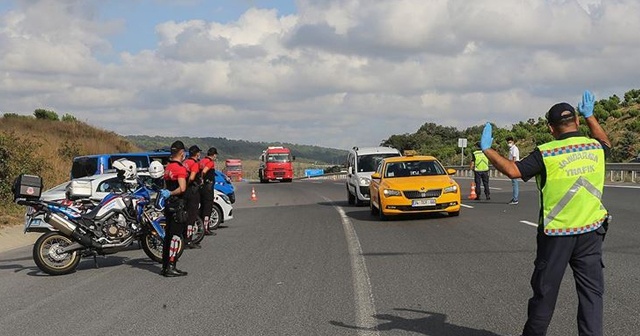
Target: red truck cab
[276, 163]
[233, 169]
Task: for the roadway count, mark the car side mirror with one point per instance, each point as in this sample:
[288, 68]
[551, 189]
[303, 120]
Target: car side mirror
[451, 171]
[375, 176]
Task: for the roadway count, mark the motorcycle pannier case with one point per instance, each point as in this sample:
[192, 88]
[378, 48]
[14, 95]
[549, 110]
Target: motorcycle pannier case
[27, 187]
[78, 190]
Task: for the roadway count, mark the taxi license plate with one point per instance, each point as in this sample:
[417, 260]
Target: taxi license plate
[423, 202]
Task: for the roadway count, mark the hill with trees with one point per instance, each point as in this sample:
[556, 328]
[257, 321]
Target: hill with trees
[44, 144]
[245, 150]
[620, 118]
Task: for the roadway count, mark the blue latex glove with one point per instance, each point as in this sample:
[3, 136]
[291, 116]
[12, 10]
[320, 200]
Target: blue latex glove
[487, 139]
[164, 193]
[585, 107]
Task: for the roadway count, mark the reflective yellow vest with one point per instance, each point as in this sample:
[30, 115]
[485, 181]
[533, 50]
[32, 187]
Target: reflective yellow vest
[571, 197]
[481, 161]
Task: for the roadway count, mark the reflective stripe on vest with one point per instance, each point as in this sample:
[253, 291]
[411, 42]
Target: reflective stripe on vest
[571, 197]
[482, 163]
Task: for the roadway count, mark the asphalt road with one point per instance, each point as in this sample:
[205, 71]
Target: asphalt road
[300, 261]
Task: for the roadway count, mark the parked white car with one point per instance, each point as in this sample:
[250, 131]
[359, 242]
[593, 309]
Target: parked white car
[103, 184]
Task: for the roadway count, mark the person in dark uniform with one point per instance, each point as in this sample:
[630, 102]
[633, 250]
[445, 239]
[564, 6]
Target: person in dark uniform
[480, 167]
[175, 177]
[192, 195]
[207, 168]
[570, 174]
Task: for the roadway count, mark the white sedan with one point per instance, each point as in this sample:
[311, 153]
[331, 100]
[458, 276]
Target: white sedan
[102, 185]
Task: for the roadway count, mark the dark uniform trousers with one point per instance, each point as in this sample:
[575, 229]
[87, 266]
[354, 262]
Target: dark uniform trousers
[481, 177]
[173, 228]
[583, 253]
[206, 200]
[192, 196]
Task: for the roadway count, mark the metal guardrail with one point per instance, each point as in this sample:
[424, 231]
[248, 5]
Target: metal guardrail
[617, 172]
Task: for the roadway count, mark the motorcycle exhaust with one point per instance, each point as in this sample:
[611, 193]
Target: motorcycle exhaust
[68, 228]
[61, 224]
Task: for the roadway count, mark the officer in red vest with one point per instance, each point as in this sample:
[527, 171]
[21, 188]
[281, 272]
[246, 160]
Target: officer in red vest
[192, 195]
[208, 170]
[175, 177]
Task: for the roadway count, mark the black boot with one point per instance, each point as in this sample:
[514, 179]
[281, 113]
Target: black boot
[174, 268]
[170, 272]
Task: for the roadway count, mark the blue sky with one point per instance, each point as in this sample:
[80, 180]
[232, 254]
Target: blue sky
[141, 16]
[335, 73]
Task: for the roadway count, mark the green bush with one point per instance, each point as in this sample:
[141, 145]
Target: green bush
[634, 112]
[616, 114]
[635, 126]
[69, 118]
[45, 114]
[16, 157]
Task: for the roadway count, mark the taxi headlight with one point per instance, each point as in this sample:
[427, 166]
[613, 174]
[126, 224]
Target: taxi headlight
[225, 198]
[364, 181]
[391, 192]
[450, 189]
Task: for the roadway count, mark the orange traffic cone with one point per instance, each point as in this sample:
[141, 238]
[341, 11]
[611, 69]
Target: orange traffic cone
[253, 194]
[473, 194]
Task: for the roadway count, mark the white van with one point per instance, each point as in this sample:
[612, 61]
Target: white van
[361, 163]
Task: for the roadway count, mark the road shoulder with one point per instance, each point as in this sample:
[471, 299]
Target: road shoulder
[12, 237]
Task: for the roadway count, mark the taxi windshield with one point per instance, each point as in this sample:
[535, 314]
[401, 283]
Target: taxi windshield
[414, 168]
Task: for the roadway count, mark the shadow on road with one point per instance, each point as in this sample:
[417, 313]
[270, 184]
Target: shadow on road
[432, 324]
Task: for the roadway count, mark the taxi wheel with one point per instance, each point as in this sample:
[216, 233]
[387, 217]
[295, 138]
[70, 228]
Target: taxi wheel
[372, 208]
[454, 213]
[381, 214]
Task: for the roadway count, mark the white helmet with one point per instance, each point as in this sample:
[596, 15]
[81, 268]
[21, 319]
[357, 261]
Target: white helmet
[126, 169]
[156, 169]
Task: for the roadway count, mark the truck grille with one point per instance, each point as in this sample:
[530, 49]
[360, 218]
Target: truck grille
[412, 194]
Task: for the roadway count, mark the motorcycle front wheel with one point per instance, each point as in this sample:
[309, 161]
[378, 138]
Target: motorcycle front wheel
[49, 259]
[198, 231]
[152, 244]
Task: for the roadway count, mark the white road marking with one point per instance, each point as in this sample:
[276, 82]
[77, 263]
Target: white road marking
[492, 188]
[529, 223]
[622, 186]
[365, 305]
[466, 206]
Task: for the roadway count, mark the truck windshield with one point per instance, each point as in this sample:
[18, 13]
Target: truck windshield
[278, 158]
[369, 163]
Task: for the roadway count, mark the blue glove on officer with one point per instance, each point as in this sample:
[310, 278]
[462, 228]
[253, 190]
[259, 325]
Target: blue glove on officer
[164, 193]
[487, 139]
[585, 107]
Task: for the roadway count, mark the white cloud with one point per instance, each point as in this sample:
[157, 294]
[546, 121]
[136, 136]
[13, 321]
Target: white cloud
[337, 73]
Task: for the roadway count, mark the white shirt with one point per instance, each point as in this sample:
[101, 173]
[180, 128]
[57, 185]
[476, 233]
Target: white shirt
[514, 153]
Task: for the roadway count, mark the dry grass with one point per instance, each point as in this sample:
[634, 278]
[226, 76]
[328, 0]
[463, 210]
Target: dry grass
[52, 137]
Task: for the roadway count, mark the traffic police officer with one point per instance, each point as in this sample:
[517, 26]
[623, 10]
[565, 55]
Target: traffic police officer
[208, 171]
[570, 173]
[175, 177]
[192, 195]
[480, 167]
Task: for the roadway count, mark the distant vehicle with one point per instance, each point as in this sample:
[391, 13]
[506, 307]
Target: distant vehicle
[88, 165]
[413, 184]
[233, 169]
[103, 184]
[361, 163]
[276, 163]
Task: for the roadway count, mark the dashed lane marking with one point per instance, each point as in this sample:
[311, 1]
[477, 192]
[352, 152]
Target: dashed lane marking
[466, 206]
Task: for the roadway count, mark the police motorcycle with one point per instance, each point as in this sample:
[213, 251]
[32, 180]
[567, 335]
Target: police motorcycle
[111, 226]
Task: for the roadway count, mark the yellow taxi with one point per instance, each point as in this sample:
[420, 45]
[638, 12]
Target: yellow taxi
[413, 184]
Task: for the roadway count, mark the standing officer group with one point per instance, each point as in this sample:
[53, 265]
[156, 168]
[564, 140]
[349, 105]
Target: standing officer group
[570, 174]
[188, 196]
